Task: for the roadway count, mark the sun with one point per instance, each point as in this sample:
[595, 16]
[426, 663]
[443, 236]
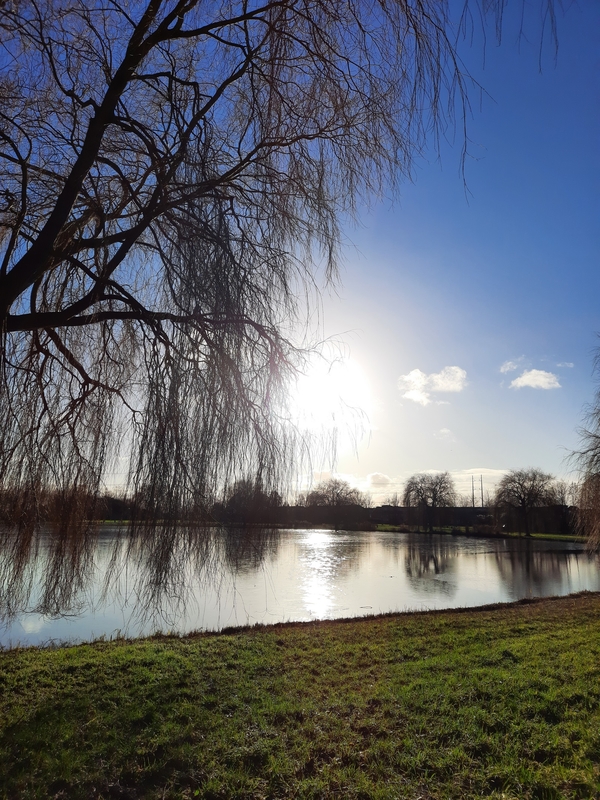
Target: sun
[333, 397]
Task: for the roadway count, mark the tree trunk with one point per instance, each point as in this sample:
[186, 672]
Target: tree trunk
[526, 516]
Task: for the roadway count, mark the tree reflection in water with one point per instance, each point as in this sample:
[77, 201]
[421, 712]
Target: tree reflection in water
[526, 570]
[54, 568]
[167, 577]
[245, 550]
[51, 573]
[426, 557]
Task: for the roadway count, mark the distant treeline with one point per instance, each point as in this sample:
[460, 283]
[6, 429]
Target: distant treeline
[560, 519]
[545, 519]
[246, 503]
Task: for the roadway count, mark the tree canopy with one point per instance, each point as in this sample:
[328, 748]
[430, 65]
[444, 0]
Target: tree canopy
[525, 489]
[429, 491]
[174, 175]
[334, 493]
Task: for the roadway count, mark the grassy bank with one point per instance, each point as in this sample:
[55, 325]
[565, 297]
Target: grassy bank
[499, 703]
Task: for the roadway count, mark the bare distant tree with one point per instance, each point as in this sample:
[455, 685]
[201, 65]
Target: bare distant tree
[524, 489]
[170, 172]
[563, 498]
[563, 493]
[429, 491]
[464, 500]
[246, 502]
[335, 492]
[338, 500]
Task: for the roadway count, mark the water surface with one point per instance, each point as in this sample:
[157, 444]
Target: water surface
[109, 586]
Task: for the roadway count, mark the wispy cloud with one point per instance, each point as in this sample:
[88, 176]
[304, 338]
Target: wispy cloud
[418, 387]
[536, 379]
[511, 366]
[568, 364]
[445, 435]
[463, 479]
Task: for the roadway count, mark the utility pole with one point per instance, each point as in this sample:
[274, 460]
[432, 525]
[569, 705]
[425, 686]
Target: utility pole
[473, 490]
[481, 479]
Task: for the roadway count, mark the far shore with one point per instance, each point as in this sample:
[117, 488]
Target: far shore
[555, 537]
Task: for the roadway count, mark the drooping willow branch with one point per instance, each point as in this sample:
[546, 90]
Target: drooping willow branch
[173, 176]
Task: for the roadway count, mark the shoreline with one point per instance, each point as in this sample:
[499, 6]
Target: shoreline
[377, 527]
[236, 630]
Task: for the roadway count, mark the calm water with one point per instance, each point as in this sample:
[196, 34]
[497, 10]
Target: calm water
[109, 587]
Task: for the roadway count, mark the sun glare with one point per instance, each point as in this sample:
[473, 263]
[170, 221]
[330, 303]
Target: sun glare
[333, 397]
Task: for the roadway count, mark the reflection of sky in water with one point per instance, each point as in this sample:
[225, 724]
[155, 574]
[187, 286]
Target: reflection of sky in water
[302, 575]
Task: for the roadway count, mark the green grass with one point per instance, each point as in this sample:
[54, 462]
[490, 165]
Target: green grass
[555, 537]
[497, 703]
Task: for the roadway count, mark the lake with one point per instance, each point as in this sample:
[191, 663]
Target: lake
[59, 591]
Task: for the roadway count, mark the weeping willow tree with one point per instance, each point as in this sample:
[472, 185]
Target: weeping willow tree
[173, 176]
[588, 462]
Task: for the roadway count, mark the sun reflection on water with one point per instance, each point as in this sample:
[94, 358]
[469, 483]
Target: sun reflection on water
[320, 559]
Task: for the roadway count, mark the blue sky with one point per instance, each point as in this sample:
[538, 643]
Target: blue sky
[506, 272]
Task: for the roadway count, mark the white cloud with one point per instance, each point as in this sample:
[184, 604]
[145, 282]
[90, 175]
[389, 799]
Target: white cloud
[413, 387]
[417, 386]
[568, 364]
[378, 479]
[450, 379]
[536, 379]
